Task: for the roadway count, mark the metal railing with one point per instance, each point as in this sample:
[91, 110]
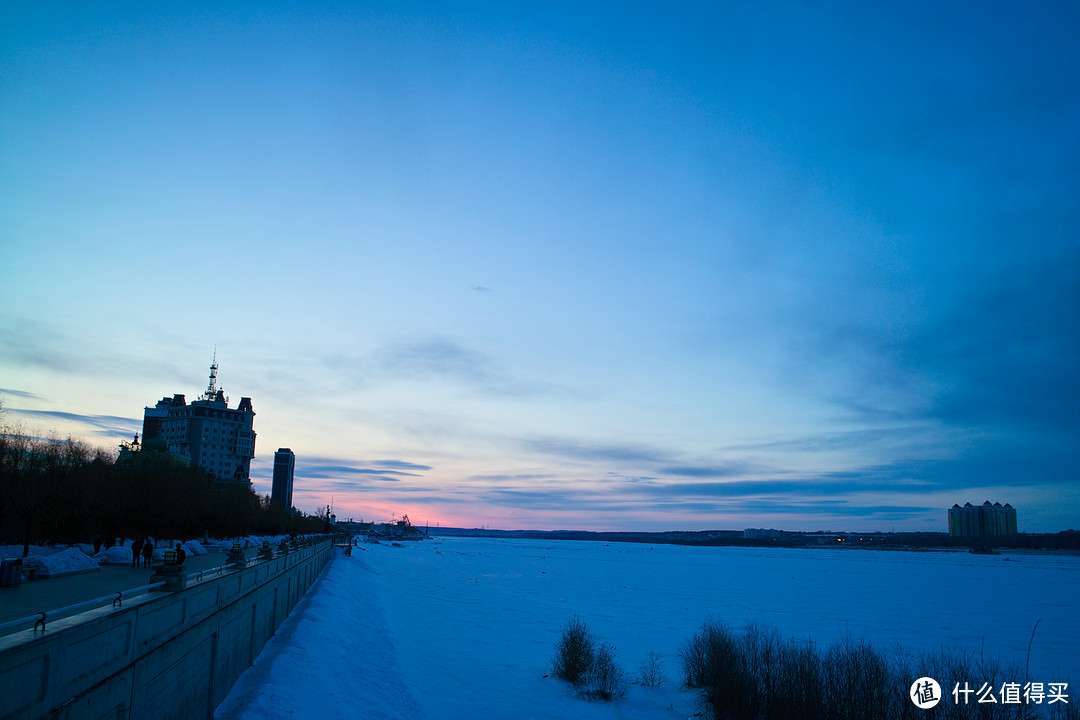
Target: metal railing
[197, 576]
[40, 618]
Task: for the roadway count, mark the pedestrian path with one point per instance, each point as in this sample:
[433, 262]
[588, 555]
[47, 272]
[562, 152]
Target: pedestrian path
[37, 595]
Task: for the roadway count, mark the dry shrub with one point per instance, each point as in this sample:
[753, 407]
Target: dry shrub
[604, 680]
[574, 653]
[651, 671]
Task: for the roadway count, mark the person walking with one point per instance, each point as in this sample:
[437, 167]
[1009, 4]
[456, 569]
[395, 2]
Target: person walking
[180, 554]
[148, 551]
[136, 551]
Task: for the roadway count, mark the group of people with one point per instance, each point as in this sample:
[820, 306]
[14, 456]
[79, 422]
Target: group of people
[142, 548]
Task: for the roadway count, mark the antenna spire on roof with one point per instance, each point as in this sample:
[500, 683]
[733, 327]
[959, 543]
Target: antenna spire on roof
[211, 389]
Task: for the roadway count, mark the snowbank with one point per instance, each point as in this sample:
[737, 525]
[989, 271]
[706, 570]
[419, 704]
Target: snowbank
[192, 547]
[217, 545]
[115, 555]
[256, 541]
[15, 551]
[332, 657]
[65, 562]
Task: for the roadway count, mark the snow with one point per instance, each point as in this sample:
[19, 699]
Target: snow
[16, 551]
[71, 560]
[256, 541]
[464, 628]
[115, 555]
[331, 655]
[217, 545]
[192, 547]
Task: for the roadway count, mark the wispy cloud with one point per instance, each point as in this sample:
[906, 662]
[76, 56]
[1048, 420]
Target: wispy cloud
[106, 424]
[838, 509]
[825, 441]
[438, 357]
[36, 345]
[329, 485]
[20, 394]
[593, 451]
[400, 465]
[1006, 353]
[434, 359]
[706, 471]
[506, 477]
[66, 351]
[335, 468]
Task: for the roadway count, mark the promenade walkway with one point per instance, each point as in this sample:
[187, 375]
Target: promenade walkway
[53, 593]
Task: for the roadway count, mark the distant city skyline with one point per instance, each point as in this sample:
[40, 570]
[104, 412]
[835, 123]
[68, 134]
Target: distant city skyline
[563, 266]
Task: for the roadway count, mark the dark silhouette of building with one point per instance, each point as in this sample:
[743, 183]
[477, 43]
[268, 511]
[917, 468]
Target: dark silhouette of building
[982, 521]
[284, 464]
[207, 432]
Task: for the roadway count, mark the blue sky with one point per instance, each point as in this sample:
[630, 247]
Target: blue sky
[562, 265]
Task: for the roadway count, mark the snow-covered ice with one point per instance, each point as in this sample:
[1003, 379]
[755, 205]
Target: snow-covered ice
[464, 628]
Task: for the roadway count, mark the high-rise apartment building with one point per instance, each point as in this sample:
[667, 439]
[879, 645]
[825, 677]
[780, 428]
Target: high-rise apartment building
[982, 521]
[207, 432]
[281, 491]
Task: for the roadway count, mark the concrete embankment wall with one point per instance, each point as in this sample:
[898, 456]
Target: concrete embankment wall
[165, 655]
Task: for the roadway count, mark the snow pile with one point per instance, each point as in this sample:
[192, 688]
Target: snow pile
[256, 541]
[467, 628]
[65, 562]
[192, 547]
[115, 555]
[217, 545]
[16, 551]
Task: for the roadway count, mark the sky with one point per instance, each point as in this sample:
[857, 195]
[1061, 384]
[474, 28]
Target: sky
[548, 265]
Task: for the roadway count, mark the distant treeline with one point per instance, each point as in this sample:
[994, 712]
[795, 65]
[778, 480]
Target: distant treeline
[55, 490]
[1067, 540]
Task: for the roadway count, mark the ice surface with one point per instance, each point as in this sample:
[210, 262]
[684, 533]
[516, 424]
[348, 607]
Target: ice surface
[465, 628]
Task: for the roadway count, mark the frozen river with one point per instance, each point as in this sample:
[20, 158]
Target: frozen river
[457, 626]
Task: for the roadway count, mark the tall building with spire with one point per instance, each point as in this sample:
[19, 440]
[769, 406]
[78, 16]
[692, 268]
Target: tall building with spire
[207, 432]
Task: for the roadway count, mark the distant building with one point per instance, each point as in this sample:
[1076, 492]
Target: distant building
[213, 436]
[982, 521]
[284, 464]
